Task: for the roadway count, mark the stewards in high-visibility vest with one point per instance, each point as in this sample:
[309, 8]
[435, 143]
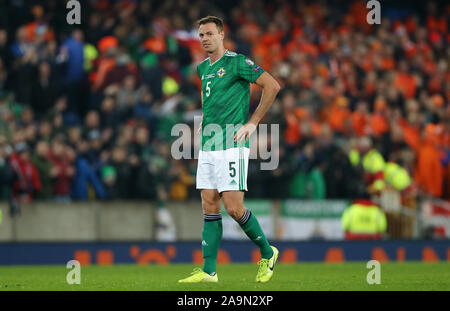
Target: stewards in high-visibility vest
[372, 163]
[379, 173]
[396, 176]
[363, 220]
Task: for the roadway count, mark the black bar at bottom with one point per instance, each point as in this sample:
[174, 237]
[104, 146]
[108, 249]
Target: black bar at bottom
[227, 300]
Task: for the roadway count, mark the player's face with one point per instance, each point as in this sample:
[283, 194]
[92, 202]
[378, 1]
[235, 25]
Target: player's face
[210, 37]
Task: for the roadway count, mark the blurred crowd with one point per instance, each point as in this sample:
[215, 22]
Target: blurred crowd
[86, 111]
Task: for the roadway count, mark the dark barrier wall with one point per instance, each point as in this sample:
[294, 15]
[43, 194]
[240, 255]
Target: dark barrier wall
[190, 252]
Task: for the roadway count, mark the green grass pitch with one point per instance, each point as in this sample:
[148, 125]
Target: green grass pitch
[349, 276]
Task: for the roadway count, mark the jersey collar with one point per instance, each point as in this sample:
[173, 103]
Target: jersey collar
[218, 59]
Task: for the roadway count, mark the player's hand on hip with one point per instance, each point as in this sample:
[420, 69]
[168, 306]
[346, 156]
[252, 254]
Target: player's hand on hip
[244, 132]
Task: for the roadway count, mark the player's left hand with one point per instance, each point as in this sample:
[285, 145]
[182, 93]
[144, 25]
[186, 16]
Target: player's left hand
[244, 132]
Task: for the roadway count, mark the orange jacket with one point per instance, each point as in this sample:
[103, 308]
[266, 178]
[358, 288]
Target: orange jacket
[429, 173]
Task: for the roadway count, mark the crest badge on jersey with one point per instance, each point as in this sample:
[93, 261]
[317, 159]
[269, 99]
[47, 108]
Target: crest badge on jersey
[221, 72]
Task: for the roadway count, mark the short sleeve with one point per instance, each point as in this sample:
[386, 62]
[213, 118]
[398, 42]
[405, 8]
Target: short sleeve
[198, 73]
[247, 69]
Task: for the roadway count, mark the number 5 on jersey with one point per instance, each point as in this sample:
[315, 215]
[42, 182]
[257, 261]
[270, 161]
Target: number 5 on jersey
[232, 169]
[208, 90]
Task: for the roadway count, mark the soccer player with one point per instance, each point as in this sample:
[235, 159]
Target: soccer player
[223, 158]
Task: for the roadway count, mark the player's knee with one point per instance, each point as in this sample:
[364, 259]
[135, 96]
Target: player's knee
[210, 207]
[210, 202]
[233, 210]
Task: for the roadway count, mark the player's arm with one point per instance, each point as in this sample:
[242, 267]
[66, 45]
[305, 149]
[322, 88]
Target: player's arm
[270, 88]
[201, 102]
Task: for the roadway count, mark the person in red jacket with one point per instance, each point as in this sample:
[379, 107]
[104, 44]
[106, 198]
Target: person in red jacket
[62, 172]
[26, 179]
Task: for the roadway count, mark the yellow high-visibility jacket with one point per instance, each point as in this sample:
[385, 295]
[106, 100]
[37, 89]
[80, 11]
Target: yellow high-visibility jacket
[363, 218]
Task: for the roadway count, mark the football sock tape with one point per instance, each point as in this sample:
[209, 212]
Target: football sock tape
[245, 217]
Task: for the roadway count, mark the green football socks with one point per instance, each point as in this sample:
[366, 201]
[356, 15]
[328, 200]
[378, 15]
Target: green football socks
[211, 237]
[252, 229]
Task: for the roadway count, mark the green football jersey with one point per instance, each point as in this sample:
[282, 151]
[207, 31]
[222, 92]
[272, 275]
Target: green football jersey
[226, 98]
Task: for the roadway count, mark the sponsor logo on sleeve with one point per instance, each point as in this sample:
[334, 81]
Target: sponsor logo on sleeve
[249, 62]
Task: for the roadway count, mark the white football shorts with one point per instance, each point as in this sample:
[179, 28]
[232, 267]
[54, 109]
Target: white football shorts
[224, 170]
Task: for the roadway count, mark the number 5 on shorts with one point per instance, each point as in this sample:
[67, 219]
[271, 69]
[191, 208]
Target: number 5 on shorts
[232, 169]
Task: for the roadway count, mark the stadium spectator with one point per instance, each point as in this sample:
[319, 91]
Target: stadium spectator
[308, 182]
[85, 176]
[180, 181]
[44, 90]
[109, 179]
[121, 188]
[430, 173]
[363, 220]
[45, 169]
[6, 173]
[62, 171]
[140, 158]
[45, 130]
[132, 78]
[26, 181]
[5, 56]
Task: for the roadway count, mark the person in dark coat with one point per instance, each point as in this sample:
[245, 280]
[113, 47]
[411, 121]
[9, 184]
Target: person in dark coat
[85, 175]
